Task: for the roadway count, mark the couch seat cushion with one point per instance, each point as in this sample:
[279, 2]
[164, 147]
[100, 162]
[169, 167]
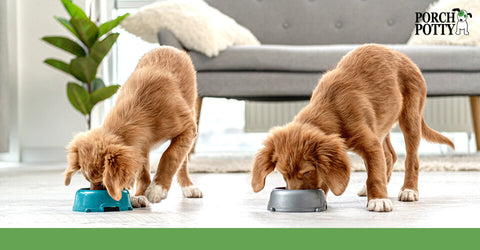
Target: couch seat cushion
[320, 58]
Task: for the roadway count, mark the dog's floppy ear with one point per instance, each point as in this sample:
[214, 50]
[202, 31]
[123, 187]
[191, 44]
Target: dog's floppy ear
[456, 9]
[262, 166]
[329, 156]
[469, 15]
[73, 165]
[120, 163]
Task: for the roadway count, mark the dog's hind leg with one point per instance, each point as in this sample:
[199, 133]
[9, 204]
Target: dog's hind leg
[170, 162]
[410, 124]
[414, 92]
[363, 191]
[183, 179]
[390, 156]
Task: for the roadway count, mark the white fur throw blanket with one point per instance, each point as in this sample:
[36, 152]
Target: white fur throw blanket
[196, 25]
[473, 39]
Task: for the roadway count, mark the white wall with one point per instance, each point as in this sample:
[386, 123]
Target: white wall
[47, 121]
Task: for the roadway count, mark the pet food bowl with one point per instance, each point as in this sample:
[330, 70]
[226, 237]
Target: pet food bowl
[87, 200]
[305, 200]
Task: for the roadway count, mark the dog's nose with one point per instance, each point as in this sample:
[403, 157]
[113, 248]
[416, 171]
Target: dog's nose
[97, 186]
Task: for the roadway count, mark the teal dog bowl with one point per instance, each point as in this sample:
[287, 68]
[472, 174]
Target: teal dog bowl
[87, 200]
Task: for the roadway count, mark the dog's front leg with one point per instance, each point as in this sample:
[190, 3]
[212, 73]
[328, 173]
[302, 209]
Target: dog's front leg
[142, 183]
[139, 201]
[390, 158]
[374, 158]
[171, 160]
[143, 176]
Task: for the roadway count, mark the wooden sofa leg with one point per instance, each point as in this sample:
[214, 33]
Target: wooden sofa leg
[475, 107]
[198, 110]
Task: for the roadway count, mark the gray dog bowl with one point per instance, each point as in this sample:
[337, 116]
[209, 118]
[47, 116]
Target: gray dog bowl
[306, 200]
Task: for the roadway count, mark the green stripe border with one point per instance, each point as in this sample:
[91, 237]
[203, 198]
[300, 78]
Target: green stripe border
[294, 239]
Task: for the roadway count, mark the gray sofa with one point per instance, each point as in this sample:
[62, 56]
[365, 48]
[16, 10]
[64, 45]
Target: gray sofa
[303, 38]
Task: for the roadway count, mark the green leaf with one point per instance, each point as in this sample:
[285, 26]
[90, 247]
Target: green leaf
[73, 9]
[67, 25]
[86, 30]
[101, 48]
[97, 84]
[65, 44]
[63, 66]
[79, 98]
[84, 68]
[107, 26]
[103, 93]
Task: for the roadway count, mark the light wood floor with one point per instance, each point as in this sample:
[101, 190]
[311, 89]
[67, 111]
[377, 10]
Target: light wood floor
[34, 196]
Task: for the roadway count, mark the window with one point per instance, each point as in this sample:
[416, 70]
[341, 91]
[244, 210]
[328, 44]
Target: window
[222, 120]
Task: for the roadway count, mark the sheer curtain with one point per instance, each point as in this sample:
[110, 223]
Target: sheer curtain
[101, 11]
[4, 132]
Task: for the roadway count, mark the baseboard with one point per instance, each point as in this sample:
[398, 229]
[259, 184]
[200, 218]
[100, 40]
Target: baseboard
[43, 154]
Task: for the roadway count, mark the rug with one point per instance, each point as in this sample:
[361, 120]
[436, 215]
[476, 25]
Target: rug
[242, 162]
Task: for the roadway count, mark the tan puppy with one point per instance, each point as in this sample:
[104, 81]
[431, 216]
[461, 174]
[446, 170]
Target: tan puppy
[156, 104]
[353, 108]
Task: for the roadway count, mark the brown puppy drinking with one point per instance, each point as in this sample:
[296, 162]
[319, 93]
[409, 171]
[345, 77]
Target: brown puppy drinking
[156, 104]
[353, 108]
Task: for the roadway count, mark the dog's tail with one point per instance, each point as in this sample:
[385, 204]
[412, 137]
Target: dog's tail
[433, 136]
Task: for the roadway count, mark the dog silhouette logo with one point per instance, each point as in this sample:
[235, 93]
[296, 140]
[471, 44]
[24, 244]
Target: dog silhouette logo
[462, 24]
[442, 23]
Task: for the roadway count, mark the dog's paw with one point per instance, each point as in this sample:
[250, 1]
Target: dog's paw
[156, 193]
[363, 191]
[408, 195]
[380, 205]
[191, 192]
[139, 201]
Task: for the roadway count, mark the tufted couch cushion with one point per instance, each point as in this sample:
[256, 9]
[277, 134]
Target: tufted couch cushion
[316, 22]
[301, 39]
[319, 58]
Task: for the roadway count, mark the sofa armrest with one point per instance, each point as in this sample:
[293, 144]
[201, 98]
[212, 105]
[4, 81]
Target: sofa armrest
[165, 37]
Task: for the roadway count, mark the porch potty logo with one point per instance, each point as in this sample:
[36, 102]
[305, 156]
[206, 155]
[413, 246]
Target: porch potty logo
[443, 23]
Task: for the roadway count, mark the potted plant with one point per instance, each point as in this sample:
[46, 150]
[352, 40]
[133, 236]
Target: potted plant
[94, 43]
